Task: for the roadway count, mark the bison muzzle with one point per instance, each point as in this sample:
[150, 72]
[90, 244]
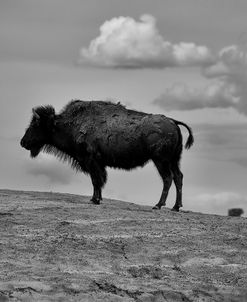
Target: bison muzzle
[94, 135]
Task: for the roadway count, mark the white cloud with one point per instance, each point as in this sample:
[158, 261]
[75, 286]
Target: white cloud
[227, 87]
[126, 43]
[232, 60]
[181, 97]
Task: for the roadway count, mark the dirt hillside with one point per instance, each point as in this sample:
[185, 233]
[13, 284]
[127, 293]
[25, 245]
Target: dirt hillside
[59, 247]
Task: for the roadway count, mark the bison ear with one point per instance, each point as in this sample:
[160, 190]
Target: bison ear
[35, 114]
[50, 116]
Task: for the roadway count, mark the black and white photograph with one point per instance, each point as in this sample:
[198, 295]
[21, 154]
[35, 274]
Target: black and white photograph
[123, 167]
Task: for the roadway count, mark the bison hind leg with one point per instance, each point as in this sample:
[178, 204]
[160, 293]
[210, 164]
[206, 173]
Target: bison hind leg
[175, 208]
[156, 207]
[178, 180]
[167, 176]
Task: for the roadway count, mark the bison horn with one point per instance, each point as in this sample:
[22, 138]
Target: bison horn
[35, 114]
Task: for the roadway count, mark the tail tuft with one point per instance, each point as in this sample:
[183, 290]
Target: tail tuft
[190, 140]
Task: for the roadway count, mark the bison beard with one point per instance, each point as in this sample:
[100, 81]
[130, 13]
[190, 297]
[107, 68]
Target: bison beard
[95, 135]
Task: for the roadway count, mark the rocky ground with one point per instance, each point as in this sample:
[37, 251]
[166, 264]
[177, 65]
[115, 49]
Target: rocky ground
[59, 247]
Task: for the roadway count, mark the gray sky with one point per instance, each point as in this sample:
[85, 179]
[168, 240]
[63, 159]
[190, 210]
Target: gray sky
[186, 59]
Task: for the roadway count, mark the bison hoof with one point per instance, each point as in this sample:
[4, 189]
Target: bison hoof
[95, 201]
[156, 208]
[175, 209]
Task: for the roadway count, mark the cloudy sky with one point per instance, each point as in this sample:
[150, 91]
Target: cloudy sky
[185, 59]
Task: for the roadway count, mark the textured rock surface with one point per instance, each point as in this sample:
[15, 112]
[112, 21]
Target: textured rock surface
[59, 247]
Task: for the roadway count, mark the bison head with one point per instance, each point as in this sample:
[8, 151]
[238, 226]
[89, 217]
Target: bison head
[39, 131]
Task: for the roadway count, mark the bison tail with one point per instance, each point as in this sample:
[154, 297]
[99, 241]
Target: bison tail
[190, 139]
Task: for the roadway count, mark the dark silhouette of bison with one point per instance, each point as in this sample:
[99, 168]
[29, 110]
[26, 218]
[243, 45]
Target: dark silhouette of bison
[237, 212]
[94, 135]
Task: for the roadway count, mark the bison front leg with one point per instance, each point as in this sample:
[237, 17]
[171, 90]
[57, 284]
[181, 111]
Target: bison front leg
[98, 177]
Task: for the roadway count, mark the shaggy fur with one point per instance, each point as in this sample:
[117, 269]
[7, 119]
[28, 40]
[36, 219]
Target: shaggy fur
[94, 135]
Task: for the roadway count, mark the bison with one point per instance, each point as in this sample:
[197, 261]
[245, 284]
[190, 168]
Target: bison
[93, 135]
[235, 212]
